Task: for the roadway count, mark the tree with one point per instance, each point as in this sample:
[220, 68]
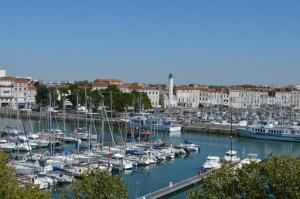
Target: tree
[99, 184]
[42, 94]
[112, 97]
[10, 187]
[141, 100]
[276, 177]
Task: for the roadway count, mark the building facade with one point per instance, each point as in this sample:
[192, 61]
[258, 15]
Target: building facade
[16, 92]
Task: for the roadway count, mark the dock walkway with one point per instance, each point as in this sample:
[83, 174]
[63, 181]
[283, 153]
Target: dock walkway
[172, 188]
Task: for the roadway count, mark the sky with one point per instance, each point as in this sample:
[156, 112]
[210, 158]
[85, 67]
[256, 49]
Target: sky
[213, 42]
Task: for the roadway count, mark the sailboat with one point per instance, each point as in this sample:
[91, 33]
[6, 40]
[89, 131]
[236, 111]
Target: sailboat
[231, 155]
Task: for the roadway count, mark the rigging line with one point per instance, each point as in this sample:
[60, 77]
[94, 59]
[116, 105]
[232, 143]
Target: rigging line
[109, 127]
[25, 132]
[119, 128]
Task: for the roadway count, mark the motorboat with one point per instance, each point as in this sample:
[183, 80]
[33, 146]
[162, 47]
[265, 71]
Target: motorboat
[231, 157]
[118, 162]
[212, 162]
[23, 147]
[8, 147]
[251, 157]
[34, 138]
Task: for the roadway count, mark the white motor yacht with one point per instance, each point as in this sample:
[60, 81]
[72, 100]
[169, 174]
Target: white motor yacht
[23, 170]
[42, 181]
[231, 157]
[24, 140]
[8, 147]
[61, 177]
[23, 147]
[212, 162]
[119, 162]
[40, 142]
[252, 157]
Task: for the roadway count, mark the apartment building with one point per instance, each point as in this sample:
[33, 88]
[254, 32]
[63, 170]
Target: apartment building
[283, 96]
[16, 92]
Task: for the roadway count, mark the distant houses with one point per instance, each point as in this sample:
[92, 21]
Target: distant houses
[18, 91]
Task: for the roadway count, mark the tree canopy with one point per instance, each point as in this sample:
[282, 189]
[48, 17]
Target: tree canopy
[10, 187]
[276, 177]
[112, 97]
[99, 184]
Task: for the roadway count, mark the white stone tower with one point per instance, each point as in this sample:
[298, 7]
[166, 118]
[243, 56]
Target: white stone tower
[171, 86]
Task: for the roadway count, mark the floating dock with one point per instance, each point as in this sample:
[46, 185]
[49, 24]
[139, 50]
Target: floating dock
[172, 188]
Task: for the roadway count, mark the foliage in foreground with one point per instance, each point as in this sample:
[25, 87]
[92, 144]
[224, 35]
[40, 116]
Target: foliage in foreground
[11, 189]
[277, 177]
[99, 184]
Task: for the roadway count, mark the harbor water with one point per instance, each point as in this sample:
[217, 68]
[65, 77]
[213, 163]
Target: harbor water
[143, 180]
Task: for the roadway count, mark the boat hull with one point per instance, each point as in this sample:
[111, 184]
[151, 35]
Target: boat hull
[265, 136]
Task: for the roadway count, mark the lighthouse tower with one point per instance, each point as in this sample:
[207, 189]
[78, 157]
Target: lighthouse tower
[171, 86]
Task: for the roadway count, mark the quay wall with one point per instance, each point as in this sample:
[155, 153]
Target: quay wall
[69, 117]
[73, 117]
[210, 128]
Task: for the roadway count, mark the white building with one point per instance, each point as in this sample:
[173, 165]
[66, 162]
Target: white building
[16, 92]
[248, 97]
[218, 97]
[295, 98]
[191, 96]
[283, 97]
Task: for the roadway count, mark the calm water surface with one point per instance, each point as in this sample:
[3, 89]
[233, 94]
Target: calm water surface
[143, 180]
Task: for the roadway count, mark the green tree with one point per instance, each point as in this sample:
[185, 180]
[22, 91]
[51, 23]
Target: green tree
[112, 97]
[99, 184]
[10, 187]
[42, 94]
[276, 177]
[141, 100]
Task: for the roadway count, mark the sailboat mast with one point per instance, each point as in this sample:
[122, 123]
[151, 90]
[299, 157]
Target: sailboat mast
[230, 135]
[64, 116]
[86, 109]
[77, 106]
[102, 125]
[50, 125]
[64, 121]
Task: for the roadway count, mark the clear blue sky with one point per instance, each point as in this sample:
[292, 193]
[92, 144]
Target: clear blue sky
[205, 42]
